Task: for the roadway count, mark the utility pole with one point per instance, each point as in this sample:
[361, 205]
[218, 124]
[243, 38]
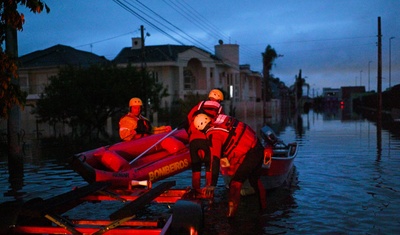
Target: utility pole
[390, 62]
[143, 70]
[143, 52]
[379, 85]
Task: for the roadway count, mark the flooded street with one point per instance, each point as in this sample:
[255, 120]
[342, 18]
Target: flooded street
[344, 182]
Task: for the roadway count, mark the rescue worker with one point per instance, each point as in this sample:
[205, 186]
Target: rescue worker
[199, 149]
[235, 141]
[134, 125]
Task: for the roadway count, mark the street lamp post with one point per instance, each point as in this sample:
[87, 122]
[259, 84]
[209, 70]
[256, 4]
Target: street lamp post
[390, 62]
[360, 76]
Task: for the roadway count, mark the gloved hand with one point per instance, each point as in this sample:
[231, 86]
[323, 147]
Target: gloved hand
[208, 191]
[161, 129]
[224, 162]
[168, 128]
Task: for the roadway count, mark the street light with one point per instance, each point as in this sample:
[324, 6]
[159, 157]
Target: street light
[369, 63]
[390, 62]
[360, 76]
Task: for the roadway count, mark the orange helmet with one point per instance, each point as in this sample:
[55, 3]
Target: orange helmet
[201, 121]
[135, 101]
[216, 94]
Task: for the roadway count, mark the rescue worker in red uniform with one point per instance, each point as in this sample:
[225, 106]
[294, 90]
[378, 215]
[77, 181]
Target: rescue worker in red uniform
[134, 125]
[241, 154]
[199, 149]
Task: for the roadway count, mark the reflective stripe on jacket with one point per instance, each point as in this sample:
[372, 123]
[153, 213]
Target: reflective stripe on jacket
[131, 127]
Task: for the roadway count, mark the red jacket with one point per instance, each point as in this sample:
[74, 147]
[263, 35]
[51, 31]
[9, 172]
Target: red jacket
[232, 139]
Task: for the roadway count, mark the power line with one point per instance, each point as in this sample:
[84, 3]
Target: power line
[171, 24]
[107, 39]
[145, 20]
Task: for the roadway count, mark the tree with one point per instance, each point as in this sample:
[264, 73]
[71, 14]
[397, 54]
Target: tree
[269, 57]
[84, 98]
[11, 19]
[297, 88]
[11, 95]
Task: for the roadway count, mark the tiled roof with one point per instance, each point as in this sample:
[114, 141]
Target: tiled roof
[159, 53]
[60, 55]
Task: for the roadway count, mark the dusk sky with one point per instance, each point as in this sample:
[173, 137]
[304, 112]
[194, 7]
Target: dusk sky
[332, 42]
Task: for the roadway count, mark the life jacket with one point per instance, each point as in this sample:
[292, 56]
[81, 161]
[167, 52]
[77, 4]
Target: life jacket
[240, 138]
[129, 122]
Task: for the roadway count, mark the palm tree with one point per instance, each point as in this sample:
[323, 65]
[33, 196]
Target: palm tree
[269, 57]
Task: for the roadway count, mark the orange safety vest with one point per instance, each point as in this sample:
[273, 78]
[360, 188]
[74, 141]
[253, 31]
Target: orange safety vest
[130, 123]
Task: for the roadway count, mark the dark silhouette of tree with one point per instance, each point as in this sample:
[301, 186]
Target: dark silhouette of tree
[269, 57]
[84, 98]
[12, 20]
[11, 96]
[297, 88]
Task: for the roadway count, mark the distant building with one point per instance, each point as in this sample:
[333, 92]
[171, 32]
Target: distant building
[349, 92]
[181, 69]
[332, 96]
[189, 69]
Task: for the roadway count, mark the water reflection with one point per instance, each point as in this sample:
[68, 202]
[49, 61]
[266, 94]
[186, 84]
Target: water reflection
[15, 177]
[344, 181]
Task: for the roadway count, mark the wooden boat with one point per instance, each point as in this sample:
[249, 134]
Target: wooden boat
[156, 157]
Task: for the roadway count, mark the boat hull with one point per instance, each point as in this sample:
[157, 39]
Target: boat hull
[128, 165]
[281, 166]
[156, 165]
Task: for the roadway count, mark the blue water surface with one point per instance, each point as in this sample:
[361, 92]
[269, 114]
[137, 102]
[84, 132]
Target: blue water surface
[344, 182]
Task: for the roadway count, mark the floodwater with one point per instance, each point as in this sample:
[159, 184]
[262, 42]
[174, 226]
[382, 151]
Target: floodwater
[344, 182]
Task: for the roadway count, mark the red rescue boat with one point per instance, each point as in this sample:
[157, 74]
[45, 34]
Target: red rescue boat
[157, 157]
[140, 161]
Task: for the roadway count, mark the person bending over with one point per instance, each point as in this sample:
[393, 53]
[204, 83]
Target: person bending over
[240, 153]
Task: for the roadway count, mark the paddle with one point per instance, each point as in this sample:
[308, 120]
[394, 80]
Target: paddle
[159, 141]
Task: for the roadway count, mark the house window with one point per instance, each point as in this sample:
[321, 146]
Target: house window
[189, 80]
[251, 84]
[154, 74]
[23, 82]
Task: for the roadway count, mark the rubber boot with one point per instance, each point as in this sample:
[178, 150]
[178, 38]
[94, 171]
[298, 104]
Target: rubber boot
[196, 183]
[234, 198]
[262, 195]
